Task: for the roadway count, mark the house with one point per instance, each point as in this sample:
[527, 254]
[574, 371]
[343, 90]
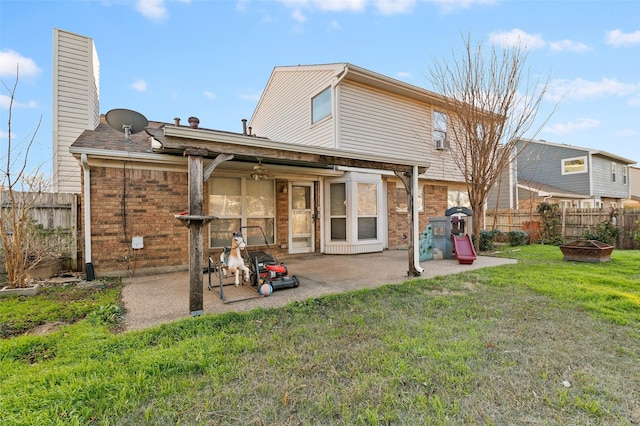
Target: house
[568, 175]
[346, 107]
[334, 187]
[634, 188]
[336, 159]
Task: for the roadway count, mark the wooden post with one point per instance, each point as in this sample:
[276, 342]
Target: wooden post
[195, 231]
[407, 180]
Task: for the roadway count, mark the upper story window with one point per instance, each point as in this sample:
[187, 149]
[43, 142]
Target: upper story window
[613, 171]
[574, 165]
[440, 130]
[321, 105]
[625, 173]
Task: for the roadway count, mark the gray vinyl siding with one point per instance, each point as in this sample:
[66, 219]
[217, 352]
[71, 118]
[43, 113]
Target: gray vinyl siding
[500, 195]
[380, 123]
[603, 186]
[76, 100]
[543, 163]
[284, 111]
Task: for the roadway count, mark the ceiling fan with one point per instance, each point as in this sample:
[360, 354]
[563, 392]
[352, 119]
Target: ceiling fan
[259, 171]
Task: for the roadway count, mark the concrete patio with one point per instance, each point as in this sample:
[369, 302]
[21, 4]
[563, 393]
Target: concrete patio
[155, 299]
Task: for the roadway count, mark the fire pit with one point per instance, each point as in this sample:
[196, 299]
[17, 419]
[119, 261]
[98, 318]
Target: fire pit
[587, 251]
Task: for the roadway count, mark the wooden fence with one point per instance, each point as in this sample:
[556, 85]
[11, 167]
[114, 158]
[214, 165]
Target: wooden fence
[57, 211]
[574, 223]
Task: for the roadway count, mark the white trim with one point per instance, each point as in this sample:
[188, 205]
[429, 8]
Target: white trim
[416, 221]
[310, 185]
[87, 209]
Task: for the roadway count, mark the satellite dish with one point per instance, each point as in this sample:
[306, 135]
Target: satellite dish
[127, 121]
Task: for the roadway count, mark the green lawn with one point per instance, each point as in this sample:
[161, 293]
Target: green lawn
[541, 342]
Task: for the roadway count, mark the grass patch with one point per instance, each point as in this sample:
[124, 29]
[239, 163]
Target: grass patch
[58, 304]
[543, 341]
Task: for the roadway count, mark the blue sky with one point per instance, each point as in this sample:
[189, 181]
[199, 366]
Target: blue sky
[212, 59]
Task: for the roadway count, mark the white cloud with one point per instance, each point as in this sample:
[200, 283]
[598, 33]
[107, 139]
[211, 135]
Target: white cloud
[386, 7]
[154, 10]
[12, 62]
[517, 38]
[241, 6]
[392, 7]
[617, 38]
[6, 100]
[328, 5]
[572, 126]
[451, 5]
[209, 95]
[404, 74]
[570, 45]
[580, 89]
[340, 5]
[140, 85]
[298, 16]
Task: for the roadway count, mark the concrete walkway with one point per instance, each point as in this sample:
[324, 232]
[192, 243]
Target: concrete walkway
[155, 299]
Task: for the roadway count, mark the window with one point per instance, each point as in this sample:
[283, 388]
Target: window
[367, 211]
[625, 172]
[321, 106]
[338, 211]
[613, 171]
[574, 165]
[401, 198]
[440, 130]
[241, 202]
[458, 199]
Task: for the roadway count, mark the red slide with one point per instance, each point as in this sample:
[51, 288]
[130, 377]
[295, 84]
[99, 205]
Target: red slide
[463, 247]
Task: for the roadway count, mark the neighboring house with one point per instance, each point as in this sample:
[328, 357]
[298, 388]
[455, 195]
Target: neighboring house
[568, 175]
[320, 169]
[634, 188]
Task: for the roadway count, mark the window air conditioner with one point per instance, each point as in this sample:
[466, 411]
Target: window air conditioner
[440, 144]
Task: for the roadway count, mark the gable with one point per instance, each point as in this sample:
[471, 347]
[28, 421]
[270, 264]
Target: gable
[284, 110]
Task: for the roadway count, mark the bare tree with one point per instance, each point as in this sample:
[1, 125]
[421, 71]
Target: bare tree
[24, 243]
[492, 103]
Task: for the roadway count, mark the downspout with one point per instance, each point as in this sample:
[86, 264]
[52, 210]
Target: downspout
[87, 218]
[416, 220]
[336, 120]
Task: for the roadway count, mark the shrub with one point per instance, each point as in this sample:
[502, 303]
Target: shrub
[518, 238]
[486, 239]
[605, 232]
[551, 230]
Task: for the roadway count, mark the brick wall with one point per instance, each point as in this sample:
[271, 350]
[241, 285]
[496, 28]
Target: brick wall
[128, 202]
[435, 198]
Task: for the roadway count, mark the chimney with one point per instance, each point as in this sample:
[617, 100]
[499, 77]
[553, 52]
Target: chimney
[193, 122]
[177, 121]
[249, 131]
[244, 126]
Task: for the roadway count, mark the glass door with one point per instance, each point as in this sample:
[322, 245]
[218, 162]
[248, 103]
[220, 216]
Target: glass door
[301, 218]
